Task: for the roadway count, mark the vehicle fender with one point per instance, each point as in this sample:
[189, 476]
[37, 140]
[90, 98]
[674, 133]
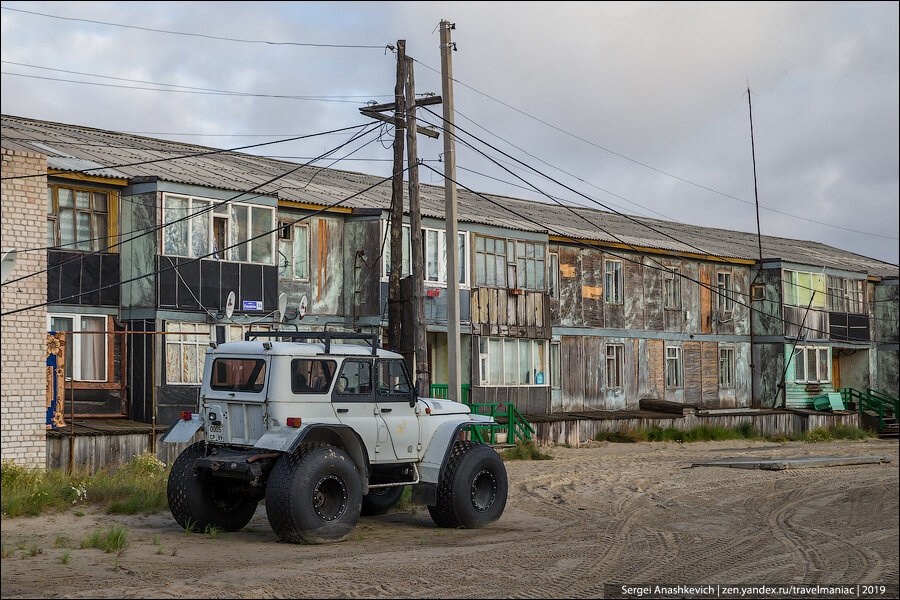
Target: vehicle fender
[182, 431]
[288, 439]
[438, 452]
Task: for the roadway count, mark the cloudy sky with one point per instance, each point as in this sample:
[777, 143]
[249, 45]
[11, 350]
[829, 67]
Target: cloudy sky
[639, 106]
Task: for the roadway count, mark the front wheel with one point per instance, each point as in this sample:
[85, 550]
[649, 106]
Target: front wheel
[314, 495]
[472, 491]
[197, 503]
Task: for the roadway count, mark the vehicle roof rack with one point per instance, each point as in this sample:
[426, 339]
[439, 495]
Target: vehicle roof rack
[324, 336]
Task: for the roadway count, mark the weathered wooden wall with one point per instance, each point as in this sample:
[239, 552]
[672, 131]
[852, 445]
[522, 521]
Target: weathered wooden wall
[575, 431]
[94, 452]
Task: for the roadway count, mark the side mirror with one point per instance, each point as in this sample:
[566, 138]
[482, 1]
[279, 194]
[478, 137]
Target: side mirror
[416, 393]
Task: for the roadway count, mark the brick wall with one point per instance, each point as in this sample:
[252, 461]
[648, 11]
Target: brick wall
[23, 409]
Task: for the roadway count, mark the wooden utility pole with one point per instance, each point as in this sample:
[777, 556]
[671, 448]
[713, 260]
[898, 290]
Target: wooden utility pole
[423, 377]
[452, 239]
[394, 303]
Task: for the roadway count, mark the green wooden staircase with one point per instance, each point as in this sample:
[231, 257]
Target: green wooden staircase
[882, 408]
[509, 426]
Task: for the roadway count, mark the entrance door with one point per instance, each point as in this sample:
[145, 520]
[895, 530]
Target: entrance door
[835, 370]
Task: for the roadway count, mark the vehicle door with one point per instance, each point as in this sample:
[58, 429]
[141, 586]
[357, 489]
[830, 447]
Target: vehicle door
[392, 402]
[353, 399]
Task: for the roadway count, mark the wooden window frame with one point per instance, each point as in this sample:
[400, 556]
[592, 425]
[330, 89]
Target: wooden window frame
[110, 214]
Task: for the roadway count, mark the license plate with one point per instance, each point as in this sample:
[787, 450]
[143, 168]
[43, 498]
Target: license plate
[215, 433]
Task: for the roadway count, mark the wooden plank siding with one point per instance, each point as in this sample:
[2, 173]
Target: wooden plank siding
[693, 373]
[709, 357]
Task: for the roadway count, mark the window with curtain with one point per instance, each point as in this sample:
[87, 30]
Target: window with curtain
[86, 353]
[78, 219]
[510, 361]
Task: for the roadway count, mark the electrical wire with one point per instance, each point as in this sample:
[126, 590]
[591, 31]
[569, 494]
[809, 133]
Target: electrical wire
[220, 93]
[200, 35]
[652, 168]
[195, 155]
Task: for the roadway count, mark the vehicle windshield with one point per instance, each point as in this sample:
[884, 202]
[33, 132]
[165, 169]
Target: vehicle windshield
[238, 374]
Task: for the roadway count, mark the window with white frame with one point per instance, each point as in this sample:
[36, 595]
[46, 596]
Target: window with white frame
[802, 288]
[86, 353]
[615, 365]
[672, 285]
[725, 295]
[726, 366]
[293, 251]
[510, 361]
[674, 372]
[812, 364]
[613, 270]
[214, 231]
[434, 250]
[186, 345]
[553, 279]
[846, 295]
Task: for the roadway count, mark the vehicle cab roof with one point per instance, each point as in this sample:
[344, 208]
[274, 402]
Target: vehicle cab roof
[298, 349]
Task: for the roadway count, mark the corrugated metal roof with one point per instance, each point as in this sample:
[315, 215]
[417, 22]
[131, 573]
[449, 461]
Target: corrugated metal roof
[75, 147]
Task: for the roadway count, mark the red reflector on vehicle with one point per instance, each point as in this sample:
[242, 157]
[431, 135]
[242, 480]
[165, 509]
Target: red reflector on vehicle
[185, 415]
[293, 421]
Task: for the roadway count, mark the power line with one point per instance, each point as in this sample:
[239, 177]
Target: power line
[558, 201]
[561, 170]
[652, 168]
[214, 252]
[200, 35]
[217, 93]
[195, 155]
[192, 215]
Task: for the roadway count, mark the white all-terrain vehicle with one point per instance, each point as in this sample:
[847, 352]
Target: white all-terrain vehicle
[324, 432]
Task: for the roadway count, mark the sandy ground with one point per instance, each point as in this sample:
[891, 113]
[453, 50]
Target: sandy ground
[608, 513]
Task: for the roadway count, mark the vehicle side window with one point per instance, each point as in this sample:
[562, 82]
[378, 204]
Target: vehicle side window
[393, 380]
[310, 376]
[355, 379]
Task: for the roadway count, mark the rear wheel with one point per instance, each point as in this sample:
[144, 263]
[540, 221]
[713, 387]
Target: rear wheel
[314, 495]
[472, 492]
[197, 503]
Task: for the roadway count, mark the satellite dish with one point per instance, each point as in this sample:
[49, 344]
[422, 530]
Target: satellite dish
[229, 304]
[301, 309]
[282, 306]
[9, 261]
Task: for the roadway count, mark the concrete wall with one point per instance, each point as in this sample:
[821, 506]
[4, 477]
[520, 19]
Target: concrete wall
[23, 400]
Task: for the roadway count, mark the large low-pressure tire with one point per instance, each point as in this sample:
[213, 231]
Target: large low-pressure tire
[380, 500]
[314, 495]
[472, 491]
[198, 504]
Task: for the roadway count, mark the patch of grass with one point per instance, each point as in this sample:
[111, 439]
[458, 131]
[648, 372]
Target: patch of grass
[405, 504]
[190, 526]
[819, 434]
[5, 552]
[524, 450]
[213, 531]
[64, 559]
[62, 541]
[33, 550]
[137, 486]
[845, 432]
[159, 552]
[115, 539]
[156, 540]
